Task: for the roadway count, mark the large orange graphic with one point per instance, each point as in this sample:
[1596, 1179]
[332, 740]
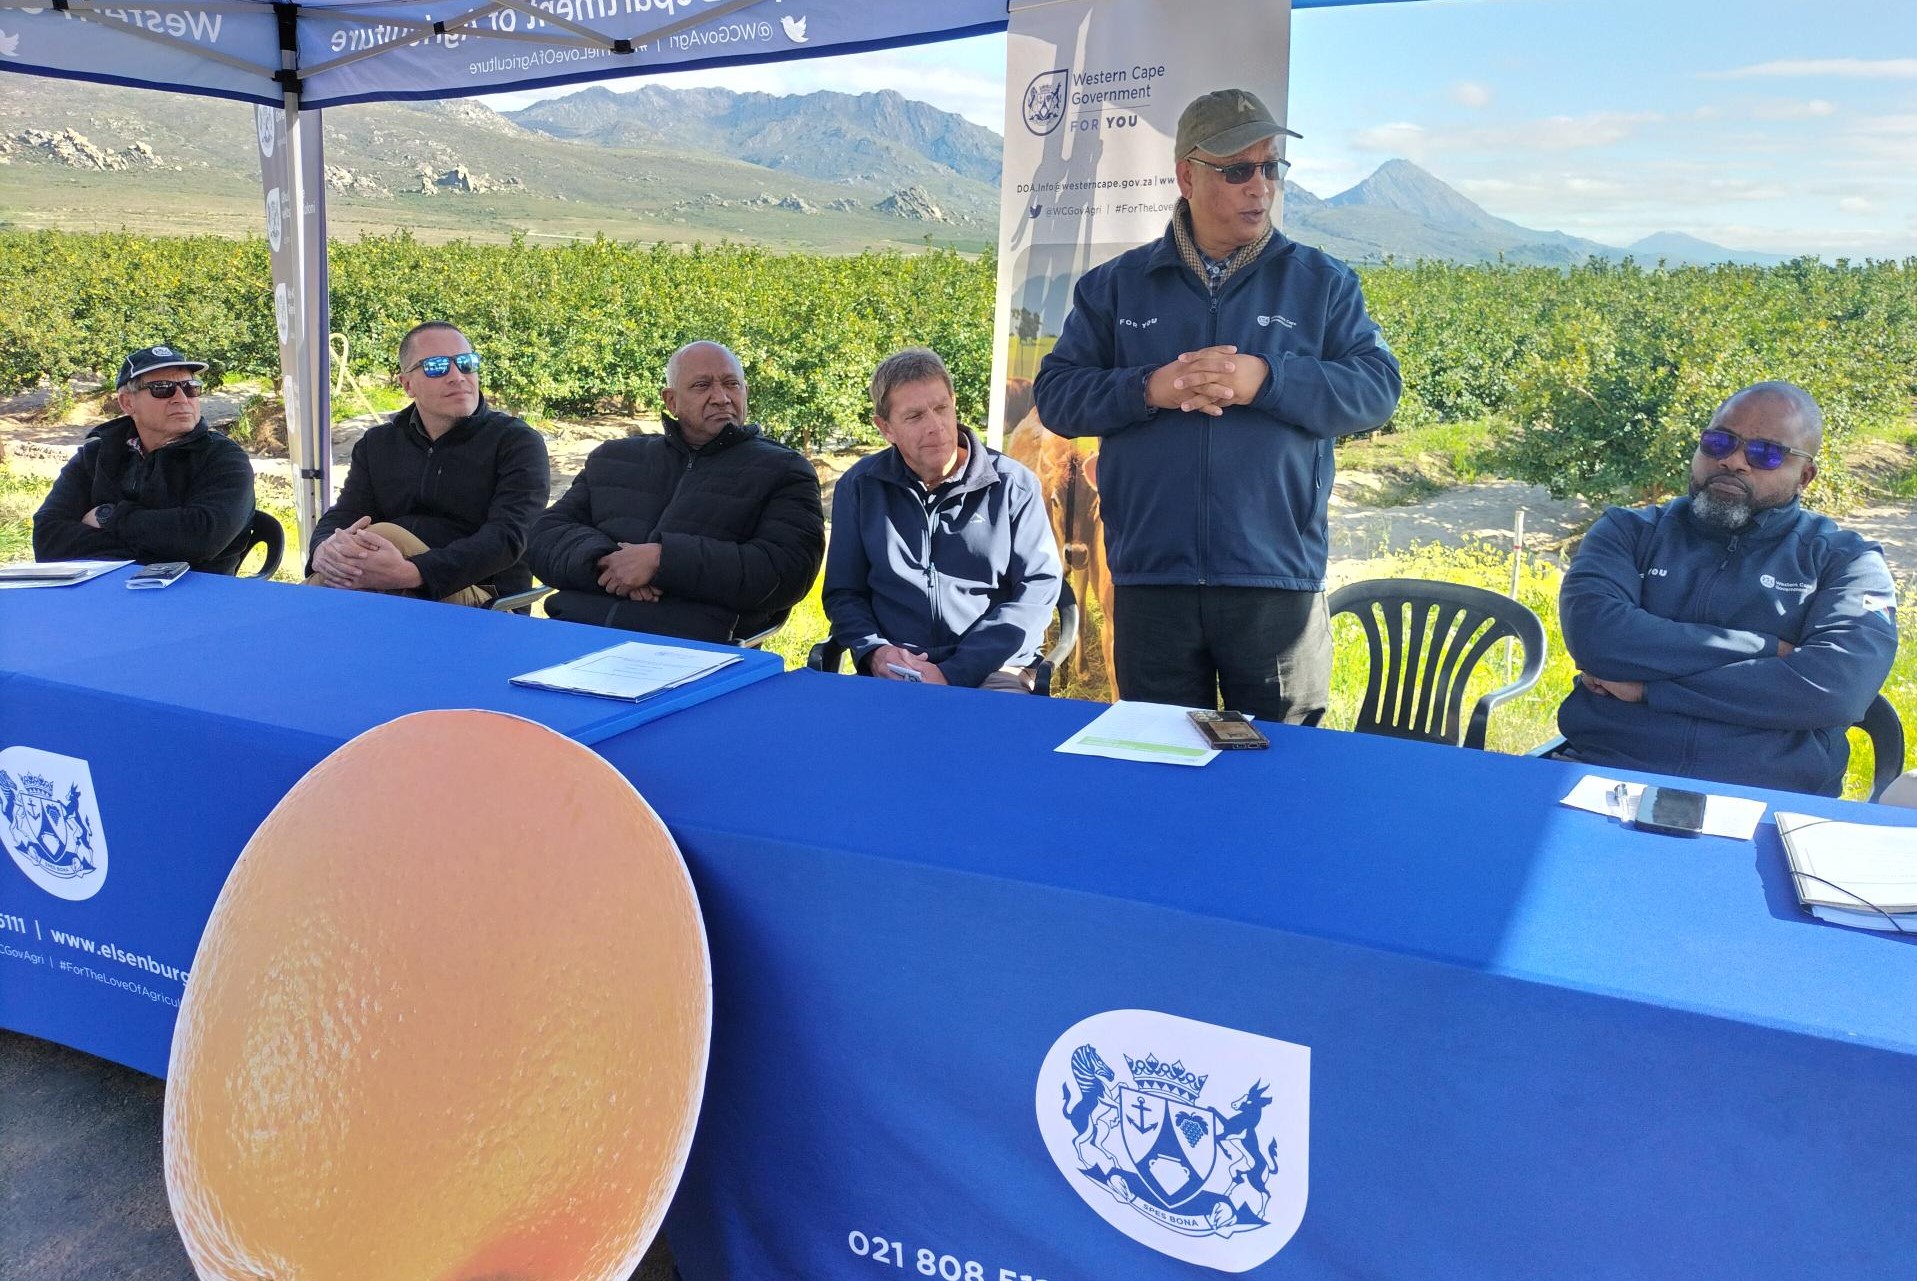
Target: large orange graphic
[448, 1021]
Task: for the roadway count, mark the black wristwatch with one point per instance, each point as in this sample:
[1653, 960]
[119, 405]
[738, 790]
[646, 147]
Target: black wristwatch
[101, 513]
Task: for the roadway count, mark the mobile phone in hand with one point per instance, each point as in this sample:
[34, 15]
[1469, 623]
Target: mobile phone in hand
[905, 673]
[164, 574]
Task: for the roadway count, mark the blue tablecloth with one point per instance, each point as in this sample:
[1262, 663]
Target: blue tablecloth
[1541, 1045]
[196, 708]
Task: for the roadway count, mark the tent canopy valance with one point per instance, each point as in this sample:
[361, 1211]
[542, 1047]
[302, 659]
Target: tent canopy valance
[332, 52]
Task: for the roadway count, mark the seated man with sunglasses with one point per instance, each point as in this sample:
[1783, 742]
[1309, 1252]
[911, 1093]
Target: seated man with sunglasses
[438, 502]
[1729, 635]
[1217, 365]
[154, 485]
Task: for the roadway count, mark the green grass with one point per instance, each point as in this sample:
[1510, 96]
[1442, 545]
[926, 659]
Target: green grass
[1413, 463]
[20, 496]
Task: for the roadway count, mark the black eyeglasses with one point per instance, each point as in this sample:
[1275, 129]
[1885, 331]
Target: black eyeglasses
[1240, 174]
[163, 388]
[438, 366]
[1765, 455]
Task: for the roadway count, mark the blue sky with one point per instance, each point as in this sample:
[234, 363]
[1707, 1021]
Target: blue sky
[1760, 124]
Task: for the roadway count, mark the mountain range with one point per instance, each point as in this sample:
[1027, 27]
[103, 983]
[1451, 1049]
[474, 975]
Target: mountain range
[824, 171]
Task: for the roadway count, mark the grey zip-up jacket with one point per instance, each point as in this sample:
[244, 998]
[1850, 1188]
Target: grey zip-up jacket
[967, 573]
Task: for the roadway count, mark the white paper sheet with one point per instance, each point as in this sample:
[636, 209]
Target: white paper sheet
[1723, 815]
[92, 569]
[1152, 732]
[632, 671]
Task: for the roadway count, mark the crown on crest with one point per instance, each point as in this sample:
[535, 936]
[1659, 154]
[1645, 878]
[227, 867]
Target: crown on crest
[1167, 1080]
[35, 785]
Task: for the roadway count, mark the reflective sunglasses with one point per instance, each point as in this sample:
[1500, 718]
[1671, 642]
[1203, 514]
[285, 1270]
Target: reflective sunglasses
[1240, 174]
[163, 388]
[438, 366]
[1765, 455]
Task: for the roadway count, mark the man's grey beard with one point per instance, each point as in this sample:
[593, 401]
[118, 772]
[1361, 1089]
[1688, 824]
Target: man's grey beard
[1727, 515]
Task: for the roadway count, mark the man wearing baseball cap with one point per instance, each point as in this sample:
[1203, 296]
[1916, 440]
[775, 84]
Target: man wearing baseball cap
[1218, 364]
[155, 484]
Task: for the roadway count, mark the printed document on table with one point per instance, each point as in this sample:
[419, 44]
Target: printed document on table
[1142, 732]
[632, 671]
[56, 573]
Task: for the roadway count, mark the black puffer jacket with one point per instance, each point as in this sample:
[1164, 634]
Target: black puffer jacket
[470, 496]
[739, 523]
[190, 500]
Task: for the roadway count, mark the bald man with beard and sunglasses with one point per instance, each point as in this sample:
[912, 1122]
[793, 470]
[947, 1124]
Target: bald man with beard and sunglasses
[1729, 635]
[154, 485]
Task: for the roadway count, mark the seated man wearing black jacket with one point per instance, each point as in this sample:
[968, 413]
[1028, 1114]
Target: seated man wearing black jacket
[709, 531]
[155, 485]
[437, 502]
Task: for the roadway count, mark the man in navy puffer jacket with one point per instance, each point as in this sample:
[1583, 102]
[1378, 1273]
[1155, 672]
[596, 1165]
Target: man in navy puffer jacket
[942, 567]
[1217, 366]
[1730, 635]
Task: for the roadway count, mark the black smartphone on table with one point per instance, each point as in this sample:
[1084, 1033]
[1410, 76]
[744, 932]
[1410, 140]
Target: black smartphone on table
[1229, 731]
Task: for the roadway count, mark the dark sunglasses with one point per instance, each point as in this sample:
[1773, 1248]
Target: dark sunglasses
[1765, 455]
[438, 366]
[1240, 174]
[163, 388]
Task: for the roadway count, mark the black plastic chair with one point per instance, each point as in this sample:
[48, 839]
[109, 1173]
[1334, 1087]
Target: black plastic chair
[1425, 639]
[828, 655]
[1886, 733]
[262, 531]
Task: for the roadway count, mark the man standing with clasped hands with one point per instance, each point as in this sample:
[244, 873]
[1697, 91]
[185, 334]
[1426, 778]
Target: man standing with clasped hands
[1217, 365]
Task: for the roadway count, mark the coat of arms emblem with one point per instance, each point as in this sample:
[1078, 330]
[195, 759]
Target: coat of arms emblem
[1044, 102]
[49, 823]
[1186, 1136]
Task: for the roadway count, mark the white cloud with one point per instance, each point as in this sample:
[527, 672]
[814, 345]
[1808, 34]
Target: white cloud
[1785, 109]
[1551, 134]
[1858, 205]
[1468, 93]
[1842, 68]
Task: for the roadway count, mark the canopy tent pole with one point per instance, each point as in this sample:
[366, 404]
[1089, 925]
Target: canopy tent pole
[293, 175]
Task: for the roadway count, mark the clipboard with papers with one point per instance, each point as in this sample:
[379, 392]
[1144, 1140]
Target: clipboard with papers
[630, 672]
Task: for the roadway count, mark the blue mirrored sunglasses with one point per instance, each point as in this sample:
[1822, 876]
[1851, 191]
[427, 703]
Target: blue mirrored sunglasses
[438, 366]
[1765, 455]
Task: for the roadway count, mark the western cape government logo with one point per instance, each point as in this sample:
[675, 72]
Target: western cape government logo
[1044, 104]
[1187, 1137]
[50, 823]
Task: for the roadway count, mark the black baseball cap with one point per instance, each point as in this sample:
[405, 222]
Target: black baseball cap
[150, 358]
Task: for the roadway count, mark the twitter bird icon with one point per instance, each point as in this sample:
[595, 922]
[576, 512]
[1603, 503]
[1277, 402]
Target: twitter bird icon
[794, 28]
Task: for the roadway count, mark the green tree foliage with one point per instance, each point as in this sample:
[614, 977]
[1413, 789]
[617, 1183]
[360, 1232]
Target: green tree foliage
[571, 328]
[1605, 372]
